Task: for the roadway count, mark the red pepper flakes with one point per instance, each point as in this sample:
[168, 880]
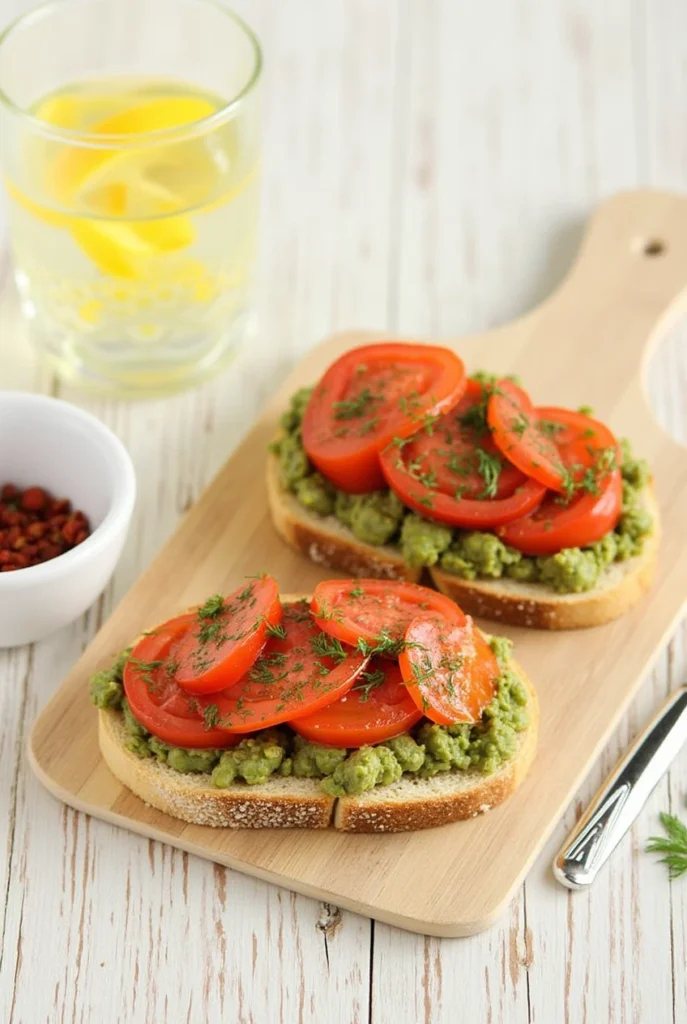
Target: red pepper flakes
[35, 527]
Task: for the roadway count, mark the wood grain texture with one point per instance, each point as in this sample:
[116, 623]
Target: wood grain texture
[427, 170]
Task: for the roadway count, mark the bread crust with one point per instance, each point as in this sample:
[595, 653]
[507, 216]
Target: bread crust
[290, 803]
[533, 605]
[326, 541]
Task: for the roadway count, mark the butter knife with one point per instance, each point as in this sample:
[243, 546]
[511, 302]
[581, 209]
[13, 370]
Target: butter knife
[621, 798]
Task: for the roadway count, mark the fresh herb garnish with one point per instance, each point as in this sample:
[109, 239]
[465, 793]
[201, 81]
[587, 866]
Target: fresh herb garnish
[370, 426]
[429, 479]
[568, 480]
[277, 630]
[429, 421]
[476, 417]
[589, 483]
[210, 715]
[372, 681]
[489, 468]
[673, 846]
[409, 404]
[145, 666]
[326, 646]
[326, 613]
[520, 424]
[212, 607]
[384, 643]
[357, 591]
[549, 427]
[352, 408]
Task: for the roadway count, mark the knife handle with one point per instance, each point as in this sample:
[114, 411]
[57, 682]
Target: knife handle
[621, 798]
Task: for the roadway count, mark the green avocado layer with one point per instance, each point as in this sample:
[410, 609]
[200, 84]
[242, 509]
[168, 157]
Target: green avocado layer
[382, 518]
[426, 751]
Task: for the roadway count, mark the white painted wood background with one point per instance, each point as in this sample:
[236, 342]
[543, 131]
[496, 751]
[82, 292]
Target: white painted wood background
[428, 166]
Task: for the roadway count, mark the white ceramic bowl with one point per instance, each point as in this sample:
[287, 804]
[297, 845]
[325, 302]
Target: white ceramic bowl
[48, 443]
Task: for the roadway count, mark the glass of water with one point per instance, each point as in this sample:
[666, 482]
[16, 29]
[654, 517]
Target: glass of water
[130, 137]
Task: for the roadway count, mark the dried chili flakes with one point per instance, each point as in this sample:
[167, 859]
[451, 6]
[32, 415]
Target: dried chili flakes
[35, 527]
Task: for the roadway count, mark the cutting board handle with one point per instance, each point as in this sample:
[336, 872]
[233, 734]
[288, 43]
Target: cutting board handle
[627, 284]
[635, 248]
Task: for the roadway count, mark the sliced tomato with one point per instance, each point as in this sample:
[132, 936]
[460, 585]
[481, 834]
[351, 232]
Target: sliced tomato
[375, 709]
[457, 454]
[450, 670]
[559, 523]
[376, 612]
[227, 635]
[453, 473]
[369, 396]
[298, 672]
[155, 698]
[588, 449]
[513, 422]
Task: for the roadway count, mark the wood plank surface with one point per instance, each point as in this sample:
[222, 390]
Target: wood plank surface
[452, 151]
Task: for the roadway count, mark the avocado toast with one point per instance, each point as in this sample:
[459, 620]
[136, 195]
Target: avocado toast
[409, 729]
[574, 546]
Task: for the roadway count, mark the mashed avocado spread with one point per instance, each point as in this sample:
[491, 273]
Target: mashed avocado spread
[426, 751]
[382, 518]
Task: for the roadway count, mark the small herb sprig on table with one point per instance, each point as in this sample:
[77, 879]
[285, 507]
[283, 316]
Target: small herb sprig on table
[673, 845]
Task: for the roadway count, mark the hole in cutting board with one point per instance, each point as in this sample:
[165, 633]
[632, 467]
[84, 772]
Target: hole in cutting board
[652, 247]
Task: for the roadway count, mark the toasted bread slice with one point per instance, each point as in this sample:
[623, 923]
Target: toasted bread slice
[328, 542]
[533, 604]
[406, 805]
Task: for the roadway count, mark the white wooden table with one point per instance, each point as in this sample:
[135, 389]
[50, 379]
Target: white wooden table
[428, 166]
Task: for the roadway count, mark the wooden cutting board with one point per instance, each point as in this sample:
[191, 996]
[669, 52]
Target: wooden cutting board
[588, 343]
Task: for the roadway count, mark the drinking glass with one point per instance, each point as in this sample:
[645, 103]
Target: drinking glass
[129, 145]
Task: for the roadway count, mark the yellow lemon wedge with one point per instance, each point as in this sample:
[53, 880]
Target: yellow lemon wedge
[128, 184]
[122, 249]
[78, 171]
[76, 110]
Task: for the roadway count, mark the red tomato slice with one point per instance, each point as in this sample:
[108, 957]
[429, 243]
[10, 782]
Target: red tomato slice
[452, 471]
[450, 671]
[155, 698]
[227, 636]
[587, 447]
[449, 453]
[375, 709]
[297, 673]
[376, 612]
[574, 523]
[369, 396]
[513, 422]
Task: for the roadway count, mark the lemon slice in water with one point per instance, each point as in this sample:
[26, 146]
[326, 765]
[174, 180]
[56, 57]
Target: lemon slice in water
[78, 171]
[134, 213]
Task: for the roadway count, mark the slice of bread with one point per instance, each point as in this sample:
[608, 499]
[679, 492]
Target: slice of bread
[621, 585]
[329, 543]
[403, 806]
